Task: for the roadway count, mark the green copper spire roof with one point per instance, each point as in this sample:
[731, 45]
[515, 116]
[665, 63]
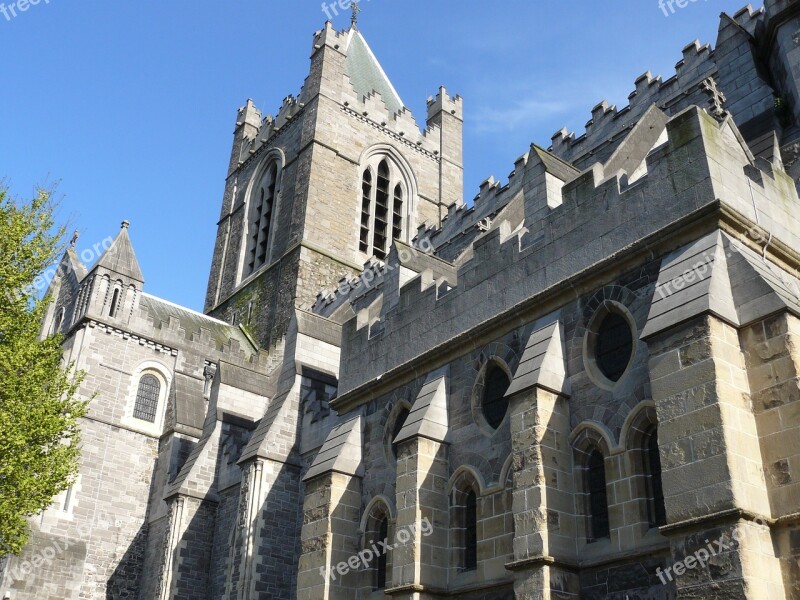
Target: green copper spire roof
[366, 73]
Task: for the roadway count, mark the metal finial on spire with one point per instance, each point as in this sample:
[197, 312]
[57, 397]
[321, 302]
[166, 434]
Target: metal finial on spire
[356, 10]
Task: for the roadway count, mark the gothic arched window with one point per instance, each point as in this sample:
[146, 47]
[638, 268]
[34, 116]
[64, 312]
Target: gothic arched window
[377, 529]
[262, 203]
[598, 499]
[381, 564]
[385, 202]
[471, 531]
[366, 203]
[397, 213]
[657, 513]
[58, 322]
[147, 395]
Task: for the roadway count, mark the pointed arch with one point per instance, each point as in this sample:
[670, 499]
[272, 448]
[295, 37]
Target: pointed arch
[388, 190]
[465, 490]
[591, 444]
[377, 523]
[261, 211]
[640, 438]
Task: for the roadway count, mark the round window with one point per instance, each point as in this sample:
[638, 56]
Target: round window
[613, 346]
[495, 403]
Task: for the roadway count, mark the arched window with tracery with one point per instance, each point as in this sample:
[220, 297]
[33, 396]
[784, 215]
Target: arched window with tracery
[260, 217]
[147, 396]
[385, 204]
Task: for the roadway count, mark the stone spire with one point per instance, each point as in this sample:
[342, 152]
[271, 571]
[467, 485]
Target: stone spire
[120, 257]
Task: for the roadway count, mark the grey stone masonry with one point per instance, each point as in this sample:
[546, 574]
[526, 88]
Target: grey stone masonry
[585, 383]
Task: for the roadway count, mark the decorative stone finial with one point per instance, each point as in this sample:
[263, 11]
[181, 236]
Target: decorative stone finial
[74, 239]
[356, 10]
[125, 224]
[716, 99]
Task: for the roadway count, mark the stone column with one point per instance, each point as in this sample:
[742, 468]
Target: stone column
[329, 559]
[420, 556]
[772, 355]
[544, 507]
[172, 538]
[330, 538]
[712, 469]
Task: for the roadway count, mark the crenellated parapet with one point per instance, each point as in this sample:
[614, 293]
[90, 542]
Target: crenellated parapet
[180, 329]
[445, 103]
[608, 124]
[698, 171]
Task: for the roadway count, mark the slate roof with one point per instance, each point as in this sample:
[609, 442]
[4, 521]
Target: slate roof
[542, 362]
[187, 398]
[341, 451]
[719, 275]
[191, 321]
[120, 257]
[428, 416]
[366, 73]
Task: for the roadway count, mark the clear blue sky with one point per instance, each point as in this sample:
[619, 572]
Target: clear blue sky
[130, 104]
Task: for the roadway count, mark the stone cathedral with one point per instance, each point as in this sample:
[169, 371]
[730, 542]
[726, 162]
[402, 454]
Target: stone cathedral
[582, 383]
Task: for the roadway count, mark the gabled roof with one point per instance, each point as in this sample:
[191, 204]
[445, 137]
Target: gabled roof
[428, 417]
[341, 451]
[366, 73]
[120, 257]
[719, 275]
[543, 363]
[161, 311]
[555, 165]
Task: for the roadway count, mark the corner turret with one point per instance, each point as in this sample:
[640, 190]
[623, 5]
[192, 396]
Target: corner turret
[112, 289]
[447, 113]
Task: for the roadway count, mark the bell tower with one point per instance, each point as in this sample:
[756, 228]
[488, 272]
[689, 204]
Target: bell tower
[327, 184]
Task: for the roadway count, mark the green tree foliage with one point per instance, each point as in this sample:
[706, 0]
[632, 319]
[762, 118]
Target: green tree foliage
[39, 410]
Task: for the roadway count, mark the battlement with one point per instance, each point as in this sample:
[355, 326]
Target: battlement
[697, 166]
[185, 329]
[328, 36]
[749, 19]
[608, 124]
[248, 116]
[443, 102]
